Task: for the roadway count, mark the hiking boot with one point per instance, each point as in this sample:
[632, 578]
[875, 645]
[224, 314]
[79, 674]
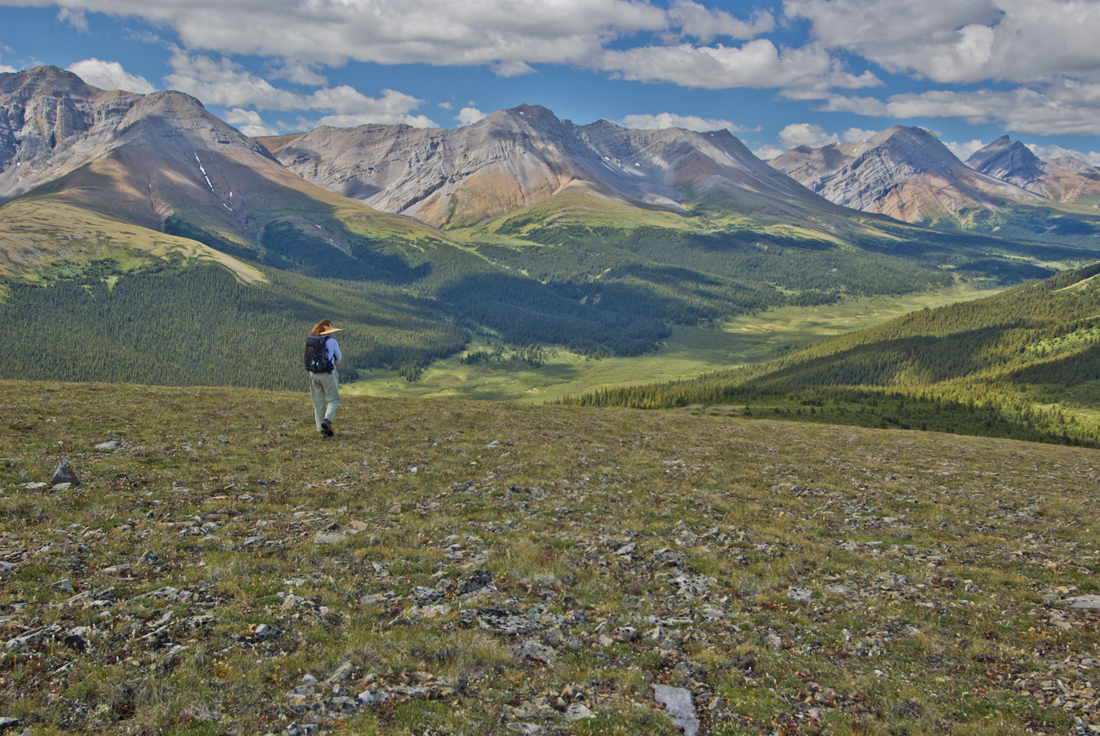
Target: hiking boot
[326, 428]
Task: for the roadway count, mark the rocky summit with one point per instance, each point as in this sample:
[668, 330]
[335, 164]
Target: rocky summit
[906, 173]
[524, 155]
[1065, 179]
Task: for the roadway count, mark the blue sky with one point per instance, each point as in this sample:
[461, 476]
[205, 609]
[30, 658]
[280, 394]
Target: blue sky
[777, 74]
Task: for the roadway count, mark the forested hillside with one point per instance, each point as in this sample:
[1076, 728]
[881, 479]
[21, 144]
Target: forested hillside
[1020, 364]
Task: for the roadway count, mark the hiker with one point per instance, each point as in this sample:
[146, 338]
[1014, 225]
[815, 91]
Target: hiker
[322, 357]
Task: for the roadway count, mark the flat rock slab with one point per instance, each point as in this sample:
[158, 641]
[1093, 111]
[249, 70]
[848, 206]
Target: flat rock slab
[1085, 602]
[678, 705]
[328, 538]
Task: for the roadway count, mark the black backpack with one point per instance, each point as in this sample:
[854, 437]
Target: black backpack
[316, 359]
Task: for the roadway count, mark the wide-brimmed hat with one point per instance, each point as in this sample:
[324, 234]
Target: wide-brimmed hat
[330, 330]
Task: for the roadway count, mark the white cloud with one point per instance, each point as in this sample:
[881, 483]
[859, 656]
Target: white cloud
[224, 83]
[767, 153]
[513, 68]
[962, 40]
[806, 134]
[1065, 107]
[5, 69]
[754, 64]
[704, 24]
[249, 122]
[855, 135]
[75, 18]
[1092, 157]
[110, 75]
[446, 105]
[298, 73]
[672, 120]
[469, 115]
[508, 36]
[963, 151]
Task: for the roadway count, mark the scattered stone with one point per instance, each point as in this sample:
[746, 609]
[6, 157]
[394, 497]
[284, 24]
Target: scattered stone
[173, 655]
[63, 586]
[679, 706]
[7, 724]
[329, 538]
[150, 558]
[377, 598]
[33, 486]
[6, 568]
[537, 618]
[341, 673]
[263, 631]
[75, 640]
[373, 697]
[477, 581]
[800, 595]
[108, 446]
[1085, 602]
[426, 595]
[61, 486]
[65, 474]
[626, 549]
[578, 712]
[534, 652]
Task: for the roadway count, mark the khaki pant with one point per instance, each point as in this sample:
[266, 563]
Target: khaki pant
[325, 390]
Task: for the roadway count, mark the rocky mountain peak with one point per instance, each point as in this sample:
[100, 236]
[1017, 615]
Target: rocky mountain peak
[1009, 161]
[904, 172]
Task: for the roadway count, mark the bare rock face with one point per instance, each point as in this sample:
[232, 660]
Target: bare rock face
[518, 157]
[906, 173]
[1064, 179]
[1009, 161]
[52, 124]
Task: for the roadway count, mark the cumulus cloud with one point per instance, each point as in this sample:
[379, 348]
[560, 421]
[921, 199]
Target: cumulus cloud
[693, 19]
[469, 115]
[446, 105]
[298, 73]
[110, 75]
[672, 120]
[806, 134]
[74, 17]
[249, 122]
[757, 63]
[767, 153]
[1091, 158]
[513, 68]
[1065, 107]
[508, 36]
[223, 82]
[754, 64]
[961, 40]
[5, 69]
[963, 151]
[855, 135]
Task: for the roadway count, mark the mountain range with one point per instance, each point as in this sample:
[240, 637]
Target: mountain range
[519, 157]
[908, 174]
[522, 228]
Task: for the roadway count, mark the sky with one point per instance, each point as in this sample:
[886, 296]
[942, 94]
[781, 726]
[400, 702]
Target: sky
[776, 74]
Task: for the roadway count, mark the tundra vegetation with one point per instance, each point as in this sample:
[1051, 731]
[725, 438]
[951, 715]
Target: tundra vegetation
[482, 568]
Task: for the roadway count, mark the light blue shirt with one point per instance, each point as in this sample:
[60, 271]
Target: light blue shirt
[332, 349]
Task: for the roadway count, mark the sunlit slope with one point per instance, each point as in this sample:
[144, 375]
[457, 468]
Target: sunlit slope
[1023, 363]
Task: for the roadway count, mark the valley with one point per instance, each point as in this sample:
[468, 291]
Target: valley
[688, 352]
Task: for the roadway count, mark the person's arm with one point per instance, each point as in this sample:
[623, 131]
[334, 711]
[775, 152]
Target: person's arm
[336, 357]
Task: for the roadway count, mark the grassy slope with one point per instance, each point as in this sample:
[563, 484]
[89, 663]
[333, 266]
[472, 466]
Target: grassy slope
[1021, 363]
[936, 566]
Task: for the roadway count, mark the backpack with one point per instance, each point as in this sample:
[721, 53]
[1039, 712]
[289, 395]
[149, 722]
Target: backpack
[316, 357]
